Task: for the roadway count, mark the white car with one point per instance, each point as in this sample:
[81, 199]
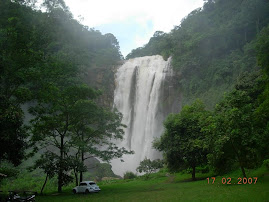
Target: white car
[86, 187]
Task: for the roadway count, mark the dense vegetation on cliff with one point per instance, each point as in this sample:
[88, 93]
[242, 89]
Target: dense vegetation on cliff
[211, 47]
[44, 60]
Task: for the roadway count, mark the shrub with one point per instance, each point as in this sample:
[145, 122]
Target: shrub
[8, 169]
[149, 166]
[129, 175]
[266, 163]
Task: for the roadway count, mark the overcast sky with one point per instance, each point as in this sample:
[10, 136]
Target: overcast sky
[132, 22]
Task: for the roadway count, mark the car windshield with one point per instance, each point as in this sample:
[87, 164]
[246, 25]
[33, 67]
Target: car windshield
[92, 183]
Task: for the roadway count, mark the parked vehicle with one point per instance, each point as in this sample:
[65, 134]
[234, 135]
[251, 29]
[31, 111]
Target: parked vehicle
[14, 196]
[86, 187]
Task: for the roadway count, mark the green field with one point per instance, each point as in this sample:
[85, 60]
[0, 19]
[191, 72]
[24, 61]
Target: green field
[174, 188]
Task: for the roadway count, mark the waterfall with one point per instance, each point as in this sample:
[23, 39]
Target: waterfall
[141, 95]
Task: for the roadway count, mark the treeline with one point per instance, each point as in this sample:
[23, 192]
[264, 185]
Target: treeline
[234, 135]
[43, 58]
[211, 47]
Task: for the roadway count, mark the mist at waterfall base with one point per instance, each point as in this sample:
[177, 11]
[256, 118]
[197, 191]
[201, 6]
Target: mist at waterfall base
[142, 96]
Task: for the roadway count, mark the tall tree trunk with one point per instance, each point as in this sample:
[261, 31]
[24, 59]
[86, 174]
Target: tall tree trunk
[243, 170]
[44, 184]
[81, 173]
[81, 176]
[193, 173]
[60, 177]
[239, 159]
[60, 174]
[76, 176]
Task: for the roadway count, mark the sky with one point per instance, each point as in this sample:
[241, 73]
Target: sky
[132, 22]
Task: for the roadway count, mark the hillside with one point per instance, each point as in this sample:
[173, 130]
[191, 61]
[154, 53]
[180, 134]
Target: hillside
[211, 47]
[30, 39]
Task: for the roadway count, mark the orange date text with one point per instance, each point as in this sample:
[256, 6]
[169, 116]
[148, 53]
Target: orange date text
[229, 180]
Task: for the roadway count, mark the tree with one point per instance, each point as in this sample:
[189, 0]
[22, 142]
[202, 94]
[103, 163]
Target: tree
[149, 166]
[129, 175]
[262, 111]
[53, 119]
[93, 133]
[12, 132]
[47, 163]
[69, 123]
[234, 138]
[262, 47]
[16, 61]
[7, 169]
[183, 141]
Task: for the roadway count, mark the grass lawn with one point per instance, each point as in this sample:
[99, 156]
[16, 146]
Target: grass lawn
[177, 188]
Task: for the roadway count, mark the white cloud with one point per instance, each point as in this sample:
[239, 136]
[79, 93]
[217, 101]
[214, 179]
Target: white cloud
[163, 15]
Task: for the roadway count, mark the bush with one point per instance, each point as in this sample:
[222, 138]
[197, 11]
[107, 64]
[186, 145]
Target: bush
[8, 169]
[266, 163]
[149, 166]
[164, 170]
[129, 175]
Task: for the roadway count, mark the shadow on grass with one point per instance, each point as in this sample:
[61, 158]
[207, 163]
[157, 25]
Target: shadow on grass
[190, 180]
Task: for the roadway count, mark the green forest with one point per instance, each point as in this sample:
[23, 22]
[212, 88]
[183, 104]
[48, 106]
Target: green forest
[56, 113]
[45, 58]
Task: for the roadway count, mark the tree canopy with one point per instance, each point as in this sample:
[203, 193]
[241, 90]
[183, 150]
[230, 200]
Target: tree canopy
[183, 140]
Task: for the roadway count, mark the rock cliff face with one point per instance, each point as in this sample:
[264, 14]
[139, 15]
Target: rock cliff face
[103, 78]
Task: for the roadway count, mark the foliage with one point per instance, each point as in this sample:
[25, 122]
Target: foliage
[233, 135]
[12, 132]
[8, 169]
[266, 163]
[50, 163]
[212, 46]
[68, 121]
[129, 175]
[93, 131]
[263, 60]
[263, 49]
[183, 142]
[160, 43]
[16, 60]
[149, 166]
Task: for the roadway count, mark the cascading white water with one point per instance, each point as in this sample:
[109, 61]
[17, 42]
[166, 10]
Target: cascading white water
[139, 87]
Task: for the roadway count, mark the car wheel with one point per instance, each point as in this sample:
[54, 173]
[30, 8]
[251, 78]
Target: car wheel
[74, 191]
[87, 191]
